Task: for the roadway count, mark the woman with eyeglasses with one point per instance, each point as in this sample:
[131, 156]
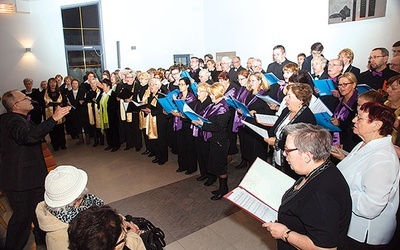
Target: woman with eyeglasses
[182, 126]
[372, 171]
[102, 228]
[345, 112]
[315, 212]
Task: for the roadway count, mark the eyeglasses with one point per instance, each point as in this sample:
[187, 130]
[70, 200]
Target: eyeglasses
[361, 118]
[288, 150]
[23, 99]
[344, 85]
[374, 57]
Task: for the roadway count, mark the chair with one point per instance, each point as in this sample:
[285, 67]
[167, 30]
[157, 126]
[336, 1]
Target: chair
[2, 221]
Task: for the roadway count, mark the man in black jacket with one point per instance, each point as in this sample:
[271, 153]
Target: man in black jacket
[23, 169]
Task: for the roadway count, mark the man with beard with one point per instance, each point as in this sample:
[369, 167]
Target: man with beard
[379, 72]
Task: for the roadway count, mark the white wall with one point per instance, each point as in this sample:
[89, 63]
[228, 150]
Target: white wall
[254, 27]
[160, 29]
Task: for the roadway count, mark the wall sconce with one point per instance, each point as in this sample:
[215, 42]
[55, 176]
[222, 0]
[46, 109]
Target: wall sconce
[28, 49]
[7, 8]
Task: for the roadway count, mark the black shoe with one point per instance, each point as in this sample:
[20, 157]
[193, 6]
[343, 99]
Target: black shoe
[55, 149]
[161, 162]
[189, 172]
[218, 196]
[215, 191]
[108, 148]
[241, 165]
[127, 148]
[114, 149]
[210, 181]
[155, 160]
[151, 154]
[202, 177]
[146, 152]
[63, 147]
[95, 145]
[180, 170]
[137, 149]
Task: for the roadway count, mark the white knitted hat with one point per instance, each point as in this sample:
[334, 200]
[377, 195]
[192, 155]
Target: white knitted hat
[63, 185]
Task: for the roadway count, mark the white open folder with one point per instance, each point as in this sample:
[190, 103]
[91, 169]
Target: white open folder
[261, 190]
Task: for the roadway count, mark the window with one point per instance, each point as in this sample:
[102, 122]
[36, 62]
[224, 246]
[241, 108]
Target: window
[82, 40]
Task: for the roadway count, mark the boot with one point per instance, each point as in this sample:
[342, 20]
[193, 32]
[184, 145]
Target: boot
[87, 138]
[223, 189]
[80, 136]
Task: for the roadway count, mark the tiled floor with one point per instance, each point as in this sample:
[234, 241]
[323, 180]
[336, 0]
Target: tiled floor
[177, 203]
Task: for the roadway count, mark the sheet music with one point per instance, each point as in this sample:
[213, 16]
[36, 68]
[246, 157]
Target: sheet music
[319, 107]
[252, 205]
[268, 100]
[261, 189]
[137, 104]
[262, 132]
[268, 119]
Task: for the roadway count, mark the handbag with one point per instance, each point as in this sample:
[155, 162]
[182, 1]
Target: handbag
[153, 237]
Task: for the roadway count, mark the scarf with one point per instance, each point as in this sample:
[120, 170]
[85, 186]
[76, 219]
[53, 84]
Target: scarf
[237, 119]
[342, 111]
[70, 212]
[214, 110]
[190, 97]
[103, 112]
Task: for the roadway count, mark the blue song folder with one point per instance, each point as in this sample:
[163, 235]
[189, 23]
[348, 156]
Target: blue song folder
[324, 86]
[324, 120]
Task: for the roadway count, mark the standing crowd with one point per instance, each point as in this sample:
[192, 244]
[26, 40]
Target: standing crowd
[347, 191]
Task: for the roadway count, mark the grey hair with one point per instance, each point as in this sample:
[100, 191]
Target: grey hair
[205, 72]
[311, 138]
[59, 209]
[226, 59]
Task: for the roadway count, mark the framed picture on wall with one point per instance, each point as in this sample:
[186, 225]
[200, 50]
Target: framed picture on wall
[230, 54]
[341, 11]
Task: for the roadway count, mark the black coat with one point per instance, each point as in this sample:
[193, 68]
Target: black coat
[22, 163]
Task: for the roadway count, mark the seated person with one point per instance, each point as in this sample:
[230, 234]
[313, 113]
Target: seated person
[65, 197]
[102, 228]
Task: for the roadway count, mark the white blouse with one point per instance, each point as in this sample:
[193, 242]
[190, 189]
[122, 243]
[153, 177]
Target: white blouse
[372, 173]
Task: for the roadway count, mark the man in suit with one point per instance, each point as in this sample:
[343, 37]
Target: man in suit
[23, 169]
[395, 64]
[194, 69]
[256, 66]
[234, 71]
[396, 49]
[279, 55]
[316, 50]
[379, 71]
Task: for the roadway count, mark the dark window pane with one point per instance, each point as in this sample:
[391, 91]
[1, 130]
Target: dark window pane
[93, 58]
[72, 37]
[71, 18]
[75, 58]
[90, 17]
[91, 37]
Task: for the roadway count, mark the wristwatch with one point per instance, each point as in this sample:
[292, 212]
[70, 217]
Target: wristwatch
[286, 235]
